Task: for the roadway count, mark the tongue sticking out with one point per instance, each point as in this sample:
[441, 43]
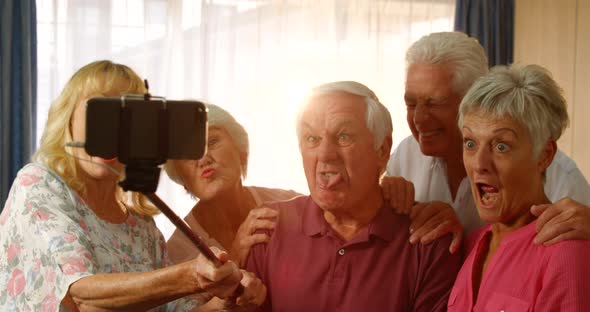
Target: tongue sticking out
[329, 180]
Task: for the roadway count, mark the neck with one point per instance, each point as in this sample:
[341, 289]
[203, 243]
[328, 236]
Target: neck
[231, 207]
[101, 197]
[501, 229]
[455, 171]
[349, 222]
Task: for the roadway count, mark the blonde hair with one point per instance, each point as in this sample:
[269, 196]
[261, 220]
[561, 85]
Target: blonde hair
[94, 79]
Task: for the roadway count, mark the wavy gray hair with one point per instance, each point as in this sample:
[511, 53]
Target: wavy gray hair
[377, 117]
[463, 54]
[528, 94]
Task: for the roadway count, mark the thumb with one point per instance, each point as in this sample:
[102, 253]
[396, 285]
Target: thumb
[456, 242]
[537, 210]
[220, 254]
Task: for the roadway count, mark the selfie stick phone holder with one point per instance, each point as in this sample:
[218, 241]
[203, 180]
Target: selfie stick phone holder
[142, 175]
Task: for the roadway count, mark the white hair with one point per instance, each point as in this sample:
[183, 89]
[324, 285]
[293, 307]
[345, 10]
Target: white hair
[528, 94]
[464, 56]
[377, 117]
[218, 117]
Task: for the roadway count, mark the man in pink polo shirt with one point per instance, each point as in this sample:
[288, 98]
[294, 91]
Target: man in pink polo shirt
[343, 248]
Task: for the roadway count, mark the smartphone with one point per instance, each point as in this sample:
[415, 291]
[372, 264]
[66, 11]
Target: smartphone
[138, 130]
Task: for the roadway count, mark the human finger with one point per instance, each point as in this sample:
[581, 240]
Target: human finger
[409, 198]
[254, 290]
[256, 239]
[421, 213]
[262, 224]
[263, 212]
[567, 235]
[537, 210]
[551, 230]
[547, 215]
[427, 230]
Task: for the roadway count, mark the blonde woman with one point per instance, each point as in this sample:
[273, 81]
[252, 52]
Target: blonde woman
[69, 238]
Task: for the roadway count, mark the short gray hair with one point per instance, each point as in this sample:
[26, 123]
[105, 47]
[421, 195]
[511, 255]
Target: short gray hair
[218, 117]
[464, 55]
[528, 94]
[377, 117]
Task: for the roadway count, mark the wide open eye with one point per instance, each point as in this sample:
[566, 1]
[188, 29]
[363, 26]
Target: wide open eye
[469, 144]
[502, 147]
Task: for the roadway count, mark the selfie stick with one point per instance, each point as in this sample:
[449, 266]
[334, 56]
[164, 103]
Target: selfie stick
[142, 176]
[184, 228]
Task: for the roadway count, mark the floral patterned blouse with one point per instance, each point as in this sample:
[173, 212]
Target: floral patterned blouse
[50, 238]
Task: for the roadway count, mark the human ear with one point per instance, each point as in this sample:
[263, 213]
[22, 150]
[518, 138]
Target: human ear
[546, 155]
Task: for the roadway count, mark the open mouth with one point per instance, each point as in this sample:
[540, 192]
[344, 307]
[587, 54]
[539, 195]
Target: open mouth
[328, 180]
[488, 194]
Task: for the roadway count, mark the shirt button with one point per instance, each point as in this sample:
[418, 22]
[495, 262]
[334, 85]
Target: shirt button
[341, 252]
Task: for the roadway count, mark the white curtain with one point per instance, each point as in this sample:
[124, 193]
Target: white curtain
[255, 58]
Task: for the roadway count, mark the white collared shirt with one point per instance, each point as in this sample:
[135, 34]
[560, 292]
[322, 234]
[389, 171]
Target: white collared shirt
[429, 176]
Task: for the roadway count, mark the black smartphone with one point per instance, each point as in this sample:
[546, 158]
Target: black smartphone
[135, 129]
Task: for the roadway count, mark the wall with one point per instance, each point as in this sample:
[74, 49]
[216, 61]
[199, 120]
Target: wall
[556, 34]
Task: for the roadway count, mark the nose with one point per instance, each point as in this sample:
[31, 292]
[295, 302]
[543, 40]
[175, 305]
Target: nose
[482, 161]
[327, 150]
[421, 113]
[205, 160]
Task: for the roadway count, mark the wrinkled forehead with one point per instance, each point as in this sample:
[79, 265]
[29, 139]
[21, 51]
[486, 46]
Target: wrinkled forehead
[339, 105]
[488, 123]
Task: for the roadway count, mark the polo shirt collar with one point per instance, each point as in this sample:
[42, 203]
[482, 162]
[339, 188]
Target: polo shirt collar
[312, 220]
[382, 226]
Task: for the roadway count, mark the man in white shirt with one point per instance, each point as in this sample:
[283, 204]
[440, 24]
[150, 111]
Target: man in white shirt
[441, 67]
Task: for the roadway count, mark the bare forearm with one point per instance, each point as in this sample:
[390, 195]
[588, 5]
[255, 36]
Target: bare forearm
[133, 291]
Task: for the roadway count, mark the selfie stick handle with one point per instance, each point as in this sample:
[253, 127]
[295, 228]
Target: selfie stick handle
[184, 228]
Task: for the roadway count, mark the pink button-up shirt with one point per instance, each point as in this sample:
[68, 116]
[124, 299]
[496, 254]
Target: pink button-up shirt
[522, 276]
[307, 267]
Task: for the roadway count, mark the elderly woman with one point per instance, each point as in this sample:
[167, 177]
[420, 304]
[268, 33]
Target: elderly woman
[70, 238]
[225, 215]
[510, 120]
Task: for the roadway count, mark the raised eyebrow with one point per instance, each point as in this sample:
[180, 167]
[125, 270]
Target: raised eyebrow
[506, 130]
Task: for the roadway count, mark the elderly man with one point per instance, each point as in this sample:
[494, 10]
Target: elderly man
[441, 67]
[343, 248]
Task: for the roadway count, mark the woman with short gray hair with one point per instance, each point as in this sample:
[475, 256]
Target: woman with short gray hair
[510, 120]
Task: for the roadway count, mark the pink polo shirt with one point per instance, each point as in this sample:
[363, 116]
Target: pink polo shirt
[307, 267]
[522, 276]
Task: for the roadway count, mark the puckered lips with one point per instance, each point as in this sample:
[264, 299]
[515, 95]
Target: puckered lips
[488, 194]
[207, 173]
[106, 161]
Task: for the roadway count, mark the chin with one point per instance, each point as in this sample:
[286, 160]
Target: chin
[429, 150]
[327, 200]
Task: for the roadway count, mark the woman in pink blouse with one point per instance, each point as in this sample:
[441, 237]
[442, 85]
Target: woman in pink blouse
[511, 120]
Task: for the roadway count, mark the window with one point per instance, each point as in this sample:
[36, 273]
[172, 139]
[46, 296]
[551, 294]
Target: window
[255, 58]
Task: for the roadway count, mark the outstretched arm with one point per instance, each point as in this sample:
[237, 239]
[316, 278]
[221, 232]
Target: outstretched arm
[142, 291]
